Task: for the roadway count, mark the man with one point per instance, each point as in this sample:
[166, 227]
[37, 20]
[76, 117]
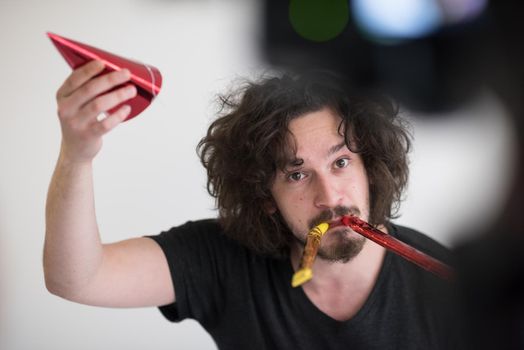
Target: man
[287, 153]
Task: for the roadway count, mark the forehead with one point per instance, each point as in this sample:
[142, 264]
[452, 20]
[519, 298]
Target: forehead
[313, 128]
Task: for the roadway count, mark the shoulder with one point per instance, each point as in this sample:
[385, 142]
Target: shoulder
[202, 226]
[196, 229]
[198, 237]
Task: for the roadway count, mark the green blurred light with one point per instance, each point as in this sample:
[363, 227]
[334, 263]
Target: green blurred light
[318, 20]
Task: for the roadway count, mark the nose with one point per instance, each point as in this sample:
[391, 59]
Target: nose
[327, 194]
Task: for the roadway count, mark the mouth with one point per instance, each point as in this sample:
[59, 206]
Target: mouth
[337, 222]
[341, 222]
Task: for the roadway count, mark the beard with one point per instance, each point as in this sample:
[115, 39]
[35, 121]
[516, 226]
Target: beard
[341, 247]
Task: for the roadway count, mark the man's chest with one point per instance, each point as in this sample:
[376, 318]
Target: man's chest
[339, 304]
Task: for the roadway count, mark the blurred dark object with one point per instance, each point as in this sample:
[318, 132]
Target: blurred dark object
[492, 266]
[430, 73]
[436, 73]
[491, 288]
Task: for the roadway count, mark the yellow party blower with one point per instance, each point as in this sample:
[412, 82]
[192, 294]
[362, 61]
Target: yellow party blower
[305, 273]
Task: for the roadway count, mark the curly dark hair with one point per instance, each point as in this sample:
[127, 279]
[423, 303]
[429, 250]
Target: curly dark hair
[249, 142]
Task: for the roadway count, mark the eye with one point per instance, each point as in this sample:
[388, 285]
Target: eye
[342, 163]
[295, 176]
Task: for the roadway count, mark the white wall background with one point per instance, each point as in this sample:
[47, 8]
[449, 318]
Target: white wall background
[148, 177]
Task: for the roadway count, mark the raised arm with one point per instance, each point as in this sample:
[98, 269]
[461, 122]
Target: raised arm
[77, 265]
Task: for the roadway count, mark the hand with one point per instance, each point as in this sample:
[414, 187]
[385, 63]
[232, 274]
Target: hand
[81, 99]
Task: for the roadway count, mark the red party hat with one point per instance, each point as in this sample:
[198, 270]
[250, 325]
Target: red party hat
[146, 78]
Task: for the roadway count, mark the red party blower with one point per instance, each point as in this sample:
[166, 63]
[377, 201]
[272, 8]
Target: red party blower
[403, 249]
[146, 78]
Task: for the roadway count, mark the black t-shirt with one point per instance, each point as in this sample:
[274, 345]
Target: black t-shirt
[245, 301]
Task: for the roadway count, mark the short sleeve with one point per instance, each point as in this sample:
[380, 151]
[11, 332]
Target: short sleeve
[199, 258]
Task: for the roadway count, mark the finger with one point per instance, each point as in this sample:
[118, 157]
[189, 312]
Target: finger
[105, 102]
[107, 124]
[95, 87]
[79, 77]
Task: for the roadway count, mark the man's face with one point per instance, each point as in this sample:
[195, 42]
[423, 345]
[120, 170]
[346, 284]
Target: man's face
[324, 181]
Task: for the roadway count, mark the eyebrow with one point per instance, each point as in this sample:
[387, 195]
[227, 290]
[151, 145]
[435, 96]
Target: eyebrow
[297, 162]
[336, 148]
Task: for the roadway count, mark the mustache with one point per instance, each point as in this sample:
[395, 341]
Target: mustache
[329, 214]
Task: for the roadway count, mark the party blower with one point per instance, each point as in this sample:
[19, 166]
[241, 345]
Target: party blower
[361, 227]
[146, 78]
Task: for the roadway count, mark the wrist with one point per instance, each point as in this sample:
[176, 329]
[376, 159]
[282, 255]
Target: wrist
[69, 160]
[73, 158]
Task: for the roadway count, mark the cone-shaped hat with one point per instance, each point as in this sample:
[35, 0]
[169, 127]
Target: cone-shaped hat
[146, 78]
